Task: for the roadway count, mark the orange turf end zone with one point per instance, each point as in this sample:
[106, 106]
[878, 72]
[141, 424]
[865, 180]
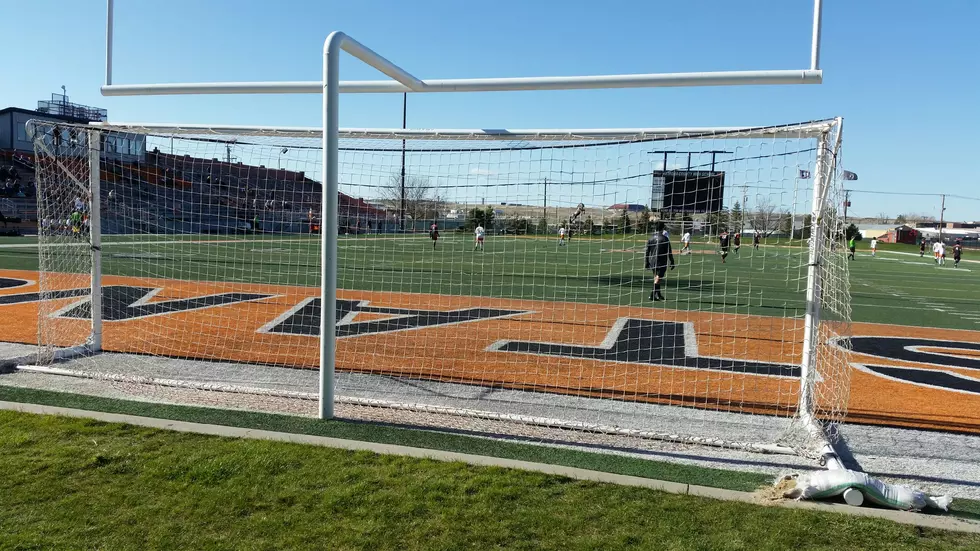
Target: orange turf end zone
[458, 353]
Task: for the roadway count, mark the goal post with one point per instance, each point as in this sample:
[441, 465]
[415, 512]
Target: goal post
[210, 267]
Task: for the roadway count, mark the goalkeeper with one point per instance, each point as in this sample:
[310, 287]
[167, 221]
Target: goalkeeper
[658, 256]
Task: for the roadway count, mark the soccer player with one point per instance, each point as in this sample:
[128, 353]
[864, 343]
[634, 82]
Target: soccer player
[658, 257]
[479, 237]
[686, 242]
[874, 246]
[957, 253]
[755, 240]
[723, 240]
[561, 235]
[935, 251]
[942, 253]
[850, 247]
[922, 248]
[76, 223]
[434, 234]
[737, 241]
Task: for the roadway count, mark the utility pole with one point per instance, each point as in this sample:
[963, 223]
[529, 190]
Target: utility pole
[942, 211]
[847, 203]
[545, 201]
[404, 125]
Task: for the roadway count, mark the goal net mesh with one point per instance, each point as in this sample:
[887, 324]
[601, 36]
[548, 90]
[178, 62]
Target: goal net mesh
[488, 281]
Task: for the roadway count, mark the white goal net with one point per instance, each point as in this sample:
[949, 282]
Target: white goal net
[497, 282]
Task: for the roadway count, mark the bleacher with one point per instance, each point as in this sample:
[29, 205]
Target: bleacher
[184, 194]
[18, 200]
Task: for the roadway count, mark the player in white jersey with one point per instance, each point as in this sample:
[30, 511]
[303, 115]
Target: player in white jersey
[561, 236]
[935, 251]
[942, 253]
[686, 242]
[874, 246]
[479, 232]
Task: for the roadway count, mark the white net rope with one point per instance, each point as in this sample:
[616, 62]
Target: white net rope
[485, 280]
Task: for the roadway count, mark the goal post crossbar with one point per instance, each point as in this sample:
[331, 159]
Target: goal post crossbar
[403, 81]
[814, 129]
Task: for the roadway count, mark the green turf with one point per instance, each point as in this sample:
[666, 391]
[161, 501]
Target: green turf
[388, 434]
[898, 287]
[80, 484]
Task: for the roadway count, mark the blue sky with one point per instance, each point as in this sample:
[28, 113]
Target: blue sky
[905, 75]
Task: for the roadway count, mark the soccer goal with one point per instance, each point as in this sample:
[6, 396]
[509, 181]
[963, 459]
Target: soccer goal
[185, 264]
[496, 282]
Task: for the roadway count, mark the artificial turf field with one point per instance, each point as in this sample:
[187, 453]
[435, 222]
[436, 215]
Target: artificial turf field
[898, 287]
[538, 310]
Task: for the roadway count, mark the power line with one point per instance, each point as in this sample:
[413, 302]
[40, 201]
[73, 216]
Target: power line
[871, 192]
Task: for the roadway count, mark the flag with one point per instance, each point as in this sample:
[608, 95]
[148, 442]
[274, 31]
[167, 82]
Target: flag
[804, 174]
[848, 175]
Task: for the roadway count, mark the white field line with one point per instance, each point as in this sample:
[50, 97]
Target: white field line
[949, 255]
[311, 240]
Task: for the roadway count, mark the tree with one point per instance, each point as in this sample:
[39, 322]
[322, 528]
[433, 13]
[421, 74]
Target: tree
[900, 219]
[765, 220]
[519, 226]
[422, 201]
[479, 217]
[786, 224]
[852, 231]
[542, 226]
[717, 222]
[622, 222]
[644, 222]
[738, 217]
[883, 218]
[589, 224]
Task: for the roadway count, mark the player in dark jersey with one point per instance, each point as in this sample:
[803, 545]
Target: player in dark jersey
[957, 253]
[723, 240]
[737, 241]
[434, 234]
[922, 248]
[658, 256]
[755, 240]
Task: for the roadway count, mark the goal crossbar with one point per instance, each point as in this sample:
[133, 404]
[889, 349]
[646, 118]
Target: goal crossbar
[813, 129]
[403, 81]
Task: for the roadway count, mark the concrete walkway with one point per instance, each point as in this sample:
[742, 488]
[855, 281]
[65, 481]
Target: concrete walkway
[903, 517]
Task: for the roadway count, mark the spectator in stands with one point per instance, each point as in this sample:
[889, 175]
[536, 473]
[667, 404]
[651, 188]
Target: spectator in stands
[4, 173]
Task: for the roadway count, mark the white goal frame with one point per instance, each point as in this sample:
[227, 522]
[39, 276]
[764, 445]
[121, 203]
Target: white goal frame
[404, 82]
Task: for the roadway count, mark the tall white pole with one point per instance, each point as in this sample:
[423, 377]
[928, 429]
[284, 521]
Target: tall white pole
[329, 222]
[95, 237]
[108, 43]
[813, 283]
[815, 43]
